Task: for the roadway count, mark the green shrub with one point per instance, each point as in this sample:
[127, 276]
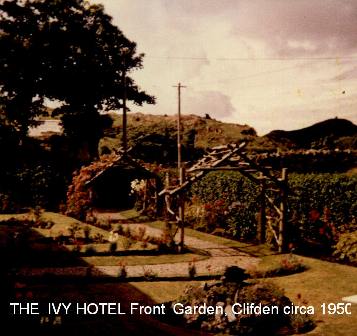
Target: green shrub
[225, 294]
[125, 243]
[235, 274]
[346, 247]
[45, 181]
[122, 273]
[7, 204]
[73, 230]
[322, 205]
[86, 231]
[113, 247]
[120, 229]
[319, 206]
[192, 269]
[287, 264]
[229, 201]
[90, 250]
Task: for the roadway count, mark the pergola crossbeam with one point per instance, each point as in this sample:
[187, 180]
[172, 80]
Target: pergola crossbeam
[232, 158]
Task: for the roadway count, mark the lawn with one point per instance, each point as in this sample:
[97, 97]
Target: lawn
[61, 224]
[55, 256]
[162, 291]
[252, 249]
[93, 324]
[322, 282]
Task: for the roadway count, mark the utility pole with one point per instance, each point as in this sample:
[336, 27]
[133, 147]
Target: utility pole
[181, 210]
[179, 162]
[124, 136]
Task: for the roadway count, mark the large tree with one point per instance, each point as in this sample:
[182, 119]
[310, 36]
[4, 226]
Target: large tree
[69, 51]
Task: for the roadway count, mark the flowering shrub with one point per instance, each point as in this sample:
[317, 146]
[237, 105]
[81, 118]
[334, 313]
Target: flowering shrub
[288, 264]
[321, 207]
[225, 294]
[137, 187]
[291, 264]
[149, 274]
[79, 200]
[346, 247]
[225, 200]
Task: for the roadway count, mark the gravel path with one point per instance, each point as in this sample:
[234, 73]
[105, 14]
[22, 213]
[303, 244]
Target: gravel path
[221, 257]
[215, 250]
[211, 266]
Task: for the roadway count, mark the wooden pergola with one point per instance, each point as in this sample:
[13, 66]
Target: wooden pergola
[232, 157]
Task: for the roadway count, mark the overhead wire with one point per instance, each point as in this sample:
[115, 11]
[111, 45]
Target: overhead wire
[252, 59]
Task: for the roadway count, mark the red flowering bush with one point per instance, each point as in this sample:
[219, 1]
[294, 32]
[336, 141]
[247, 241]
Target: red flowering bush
[79, 200]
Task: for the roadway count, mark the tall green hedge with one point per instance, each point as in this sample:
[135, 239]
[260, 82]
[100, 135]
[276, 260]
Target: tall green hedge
[323, 202]
[316, 198]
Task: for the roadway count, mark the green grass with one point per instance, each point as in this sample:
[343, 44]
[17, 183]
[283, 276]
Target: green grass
[5, 217]
[142, 260]
[132, 215]
[254, 250]
[129, 214]
[273, 265]
[208, 132]
[322, 282]
[162, 291]
[61, 225]
[95, 324]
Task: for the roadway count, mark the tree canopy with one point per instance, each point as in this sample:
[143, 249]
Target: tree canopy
[69, 51]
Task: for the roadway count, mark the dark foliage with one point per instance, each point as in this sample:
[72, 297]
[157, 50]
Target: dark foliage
[322, 206]
[69, 51]
[321, 135]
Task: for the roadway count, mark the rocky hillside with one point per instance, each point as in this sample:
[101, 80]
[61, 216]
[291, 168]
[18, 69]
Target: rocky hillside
[156, 136]
[203, 132]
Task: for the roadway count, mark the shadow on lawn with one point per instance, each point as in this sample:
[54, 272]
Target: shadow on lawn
[46, 289]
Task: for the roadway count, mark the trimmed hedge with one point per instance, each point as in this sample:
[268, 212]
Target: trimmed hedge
[321, 205]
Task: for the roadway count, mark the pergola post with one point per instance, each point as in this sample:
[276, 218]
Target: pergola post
[167, 215]
[181, 211]
[283, 210]
[262, 212]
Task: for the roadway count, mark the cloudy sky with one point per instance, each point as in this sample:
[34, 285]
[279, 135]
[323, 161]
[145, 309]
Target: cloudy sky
[272, 64]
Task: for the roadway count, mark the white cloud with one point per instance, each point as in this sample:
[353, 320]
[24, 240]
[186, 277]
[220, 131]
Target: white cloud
[214, 103]
[252, 86]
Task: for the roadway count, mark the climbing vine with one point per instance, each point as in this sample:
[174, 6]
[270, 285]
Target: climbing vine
[79, 200]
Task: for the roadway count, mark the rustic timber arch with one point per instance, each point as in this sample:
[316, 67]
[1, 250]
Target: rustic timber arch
[273, 189]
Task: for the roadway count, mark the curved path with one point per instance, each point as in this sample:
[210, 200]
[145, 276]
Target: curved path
[221, 257]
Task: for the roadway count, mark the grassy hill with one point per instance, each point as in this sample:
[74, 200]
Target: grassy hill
[205, 132]
[156, 136]
[331, 133]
